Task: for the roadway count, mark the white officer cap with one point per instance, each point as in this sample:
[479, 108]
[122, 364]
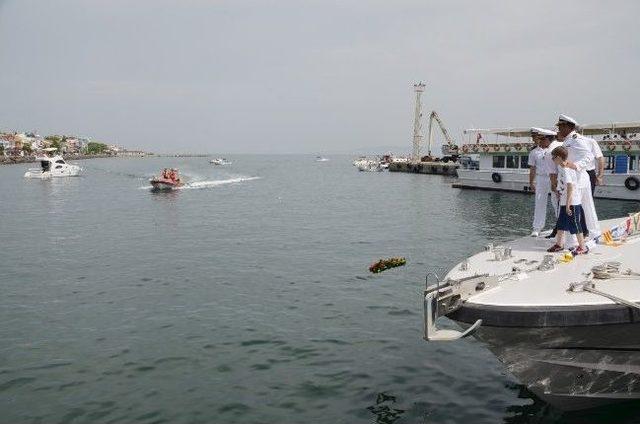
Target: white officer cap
[543, 131]
[565, 118]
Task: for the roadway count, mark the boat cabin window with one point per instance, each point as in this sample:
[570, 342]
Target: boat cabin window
[524, 162]
[633, 160]
[58, 166]
[59, 161]
[512, 162]
[498, 161]
[46, 165]
[609, 162]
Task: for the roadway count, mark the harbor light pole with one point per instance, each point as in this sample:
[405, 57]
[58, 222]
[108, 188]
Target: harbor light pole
[417, 122]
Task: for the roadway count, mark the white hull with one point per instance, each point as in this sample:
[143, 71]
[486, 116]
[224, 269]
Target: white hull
[518, 181]
[573, 339]
[66, 170]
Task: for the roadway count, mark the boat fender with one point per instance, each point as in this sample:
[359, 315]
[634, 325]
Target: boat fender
[507, 148]
[465, 148]
[496, 177]
[517, 146]
[632, 183]
[475, 147]
[626, 146]
[611, 146]
[485, 148]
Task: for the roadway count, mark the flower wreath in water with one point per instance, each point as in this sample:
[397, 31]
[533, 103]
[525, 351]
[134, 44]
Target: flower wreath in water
[385, 264]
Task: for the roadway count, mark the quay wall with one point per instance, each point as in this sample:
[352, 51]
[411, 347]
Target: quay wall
[438, 168]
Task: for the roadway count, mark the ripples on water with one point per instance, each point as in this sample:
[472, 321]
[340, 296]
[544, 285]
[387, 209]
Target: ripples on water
[248, 301]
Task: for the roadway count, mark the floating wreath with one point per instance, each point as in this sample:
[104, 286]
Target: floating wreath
[385, 264]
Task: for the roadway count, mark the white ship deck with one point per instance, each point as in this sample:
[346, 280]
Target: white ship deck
[535, 288]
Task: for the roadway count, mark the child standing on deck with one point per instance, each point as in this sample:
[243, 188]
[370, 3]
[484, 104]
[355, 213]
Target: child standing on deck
[570, 207]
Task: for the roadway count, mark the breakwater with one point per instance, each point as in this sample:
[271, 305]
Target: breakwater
[440, 168]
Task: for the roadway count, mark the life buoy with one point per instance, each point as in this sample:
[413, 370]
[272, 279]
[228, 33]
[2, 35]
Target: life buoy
[485, 148]
[517, 146]
[632, 183]
[475, 147]
[507, 148]
[496, 177]
[611, 146]
[496, 147]
[465, 148]
[626, 146]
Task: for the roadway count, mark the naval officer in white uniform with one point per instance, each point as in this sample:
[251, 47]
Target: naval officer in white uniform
[596, 168]
[540, 167]
[581, 157]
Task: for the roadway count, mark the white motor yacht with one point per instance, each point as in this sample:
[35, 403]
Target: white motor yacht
[220, 161]
[368, 165]
[566, 327]
[51, 167]
[321, 159]
[499, 159]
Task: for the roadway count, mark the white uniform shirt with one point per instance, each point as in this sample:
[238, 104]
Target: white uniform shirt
[580, 153]
[536, 158]
[568, 176]
[550, 166]
[596, 151]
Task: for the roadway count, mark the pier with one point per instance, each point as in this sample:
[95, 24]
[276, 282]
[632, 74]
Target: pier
[440, 168]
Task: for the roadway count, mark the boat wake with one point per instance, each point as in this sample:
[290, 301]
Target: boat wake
[216, 183]
[209, 184]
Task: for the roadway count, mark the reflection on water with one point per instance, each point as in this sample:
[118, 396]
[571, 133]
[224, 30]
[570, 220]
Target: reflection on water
[384, 409]
[542, 413]
[246, 300]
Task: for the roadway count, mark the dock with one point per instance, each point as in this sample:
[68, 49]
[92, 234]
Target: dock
[438, 168]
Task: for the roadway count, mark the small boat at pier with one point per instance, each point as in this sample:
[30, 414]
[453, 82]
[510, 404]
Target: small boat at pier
[168, 179]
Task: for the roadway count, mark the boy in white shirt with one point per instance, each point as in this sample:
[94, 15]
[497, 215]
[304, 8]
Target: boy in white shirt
[569, 219]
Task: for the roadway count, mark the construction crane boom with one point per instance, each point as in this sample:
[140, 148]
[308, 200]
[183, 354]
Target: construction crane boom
[451, 148]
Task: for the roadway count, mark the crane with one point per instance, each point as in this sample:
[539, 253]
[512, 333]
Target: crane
[450, 150]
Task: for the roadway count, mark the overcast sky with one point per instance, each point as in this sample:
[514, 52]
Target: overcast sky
[292, 76]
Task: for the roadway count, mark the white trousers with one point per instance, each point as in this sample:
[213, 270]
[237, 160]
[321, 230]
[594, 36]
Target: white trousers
[543, 189]
[590, 215]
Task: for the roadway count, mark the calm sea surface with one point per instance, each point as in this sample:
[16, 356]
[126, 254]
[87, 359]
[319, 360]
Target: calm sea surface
[245, 297]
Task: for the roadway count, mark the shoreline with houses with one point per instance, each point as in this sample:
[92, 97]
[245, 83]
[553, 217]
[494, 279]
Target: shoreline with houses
[26, 147]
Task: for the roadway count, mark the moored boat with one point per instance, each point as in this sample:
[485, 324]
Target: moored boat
[500, 159]
[566, 327]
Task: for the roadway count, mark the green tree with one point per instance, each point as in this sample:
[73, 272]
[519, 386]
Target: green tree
[95, 148]
[55, 141]
[26, 148]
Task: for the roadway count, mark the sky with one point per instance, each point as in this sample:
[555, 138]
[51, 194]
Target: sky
[296, 76]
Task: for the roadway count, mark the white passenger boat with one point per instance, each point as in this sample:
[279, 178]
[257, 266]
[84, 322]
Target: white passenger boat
[220, 161]
[51, 167]
[321, 159]
[500, 159]
[568, 328]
